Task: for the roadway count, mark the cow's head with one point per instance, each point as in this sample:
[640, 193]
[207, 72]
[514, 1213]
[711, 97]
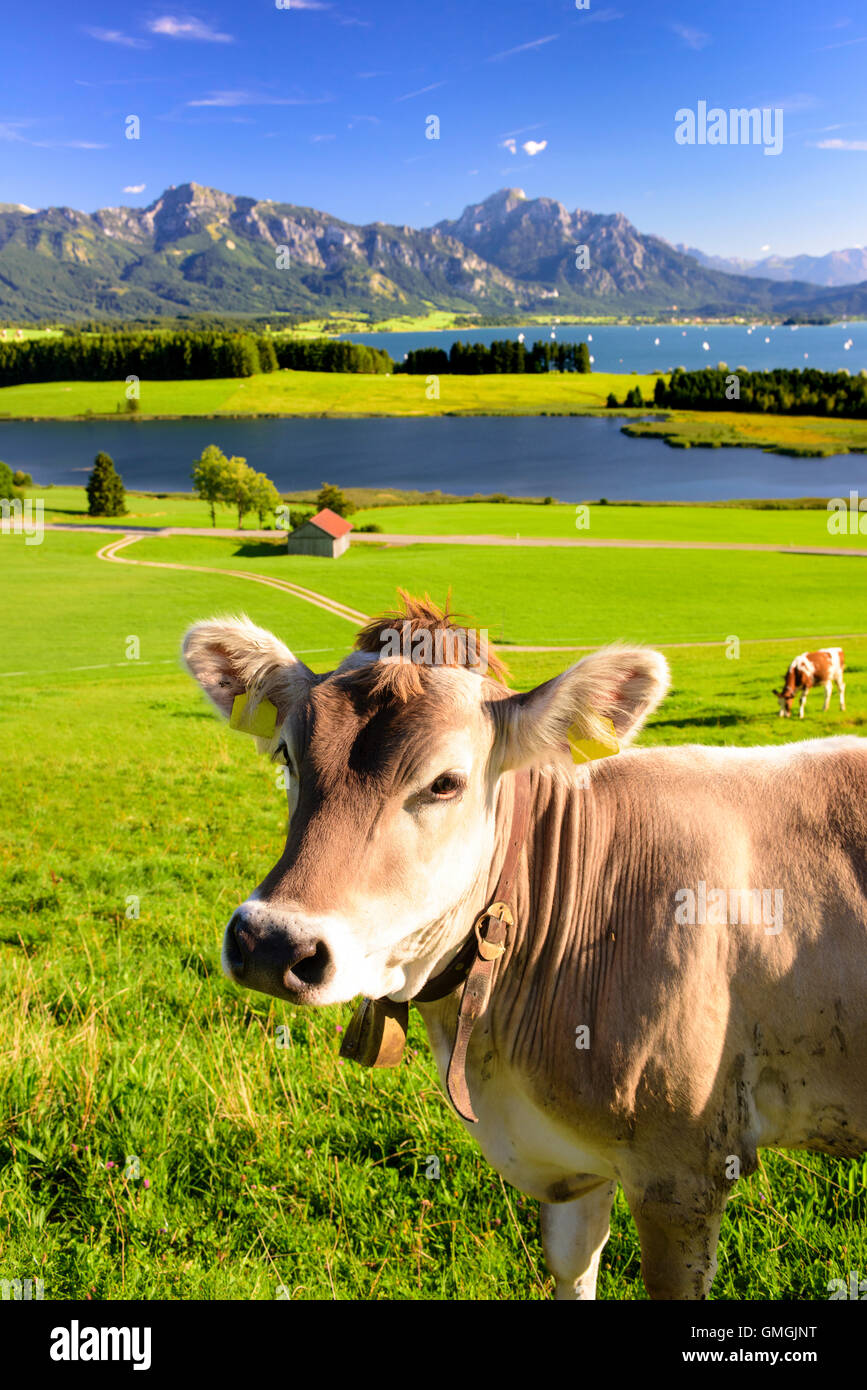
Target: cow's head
[785, 698]
[394, 775]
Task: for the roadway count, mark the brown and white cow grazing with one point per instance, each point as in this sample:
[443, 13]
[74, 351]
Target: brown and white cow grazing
[824, 667]
[619, 1037]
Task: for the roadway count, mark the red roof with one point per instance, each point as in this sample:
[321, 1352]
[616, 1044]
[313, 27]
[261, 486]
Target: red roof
[332, 524]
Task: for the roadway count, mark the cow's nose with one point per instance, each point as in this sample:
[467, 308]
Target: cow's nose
[271, 957]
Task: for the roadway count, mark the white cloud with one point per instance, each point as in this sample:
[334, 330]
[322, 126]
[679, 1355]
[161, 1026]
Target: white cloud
[522, 130]
[421, 91]
[115, 36]
[532, 147]
[845, 43]
[135, 188]
[509, 145]
[693, 38]
[798, 101]
[173, 27]
[318, 139]
[243, 98]
[841, 145]
[522, 48]
[764, 248]
[11, 131]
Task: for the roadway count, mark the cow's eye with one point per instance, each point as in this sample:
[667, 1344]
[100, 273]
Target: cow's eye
[447, 786]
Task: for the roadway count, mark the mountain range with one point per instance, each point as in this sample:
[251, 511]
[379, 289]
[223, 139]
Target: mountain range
[198, 251]
[836, 268]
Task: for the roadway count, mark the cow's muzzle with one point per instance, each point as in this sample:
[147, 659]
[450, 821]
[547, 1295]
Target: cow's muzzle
[266, 952]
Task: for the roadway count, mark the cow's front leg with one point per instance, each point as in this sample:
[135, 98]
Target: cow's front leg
[828, 688]
[803, 704]
[841, 686]
[573, 1236]
[678, 1225]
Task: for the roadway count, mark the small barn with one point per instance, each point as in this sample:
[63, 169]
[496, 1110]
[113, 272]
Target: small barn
[326, 533]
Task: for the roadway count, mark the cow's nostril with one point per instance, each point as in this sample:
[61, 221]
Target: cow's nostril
[313, 969]
[232, 949]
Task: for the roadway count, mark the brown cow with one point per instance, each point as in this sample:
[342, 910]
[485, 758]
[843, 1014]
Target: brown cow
[823, 667]
[635, 1026]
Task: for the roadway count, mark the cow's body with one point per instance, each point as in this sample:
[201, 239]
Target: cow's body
[824, 668]
[702, 1033]
[706, 1041]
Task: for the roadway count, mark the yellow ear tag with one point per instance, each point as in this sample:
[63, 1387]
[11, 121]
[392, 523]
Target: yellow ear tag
[263, 721]
[587, 750]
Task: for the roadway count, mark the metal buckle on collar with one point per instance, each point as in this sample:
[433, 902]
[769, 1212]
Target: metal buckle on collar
[492, 950]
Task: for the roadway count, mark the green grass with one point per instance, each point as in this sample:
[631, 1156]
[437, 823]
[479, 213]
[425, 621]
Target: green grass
[798, 435]
[656, 595]
[69, 505]
[730, 525]
[261, 1166]
[12, 332]
[336, 395]
[437, 321]
[325, 393]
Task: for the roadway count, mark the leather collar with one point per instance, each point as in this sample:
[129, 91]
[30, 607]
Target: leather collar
[477, 960]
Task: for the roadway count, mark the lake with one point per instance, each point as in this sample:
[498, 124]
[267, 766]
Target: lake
[568, 458]
[660, 347]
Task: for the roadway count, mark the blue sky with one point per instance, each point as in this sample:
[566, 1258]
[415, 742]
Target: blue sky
[324, 104]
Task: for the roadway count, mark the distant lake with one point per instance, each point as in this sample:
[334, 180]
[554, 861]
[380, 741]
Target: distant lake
[568, 458]
[664, 346]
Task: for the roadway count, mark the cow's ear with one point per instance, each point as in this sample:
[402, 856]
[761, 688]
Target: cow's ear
[231, 657]
[622, 685]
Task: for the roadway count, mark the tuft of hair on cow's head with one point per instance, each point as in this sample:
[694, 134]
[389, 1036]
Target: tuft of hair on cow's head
[232, 656]
[417, 635]
[620, 684]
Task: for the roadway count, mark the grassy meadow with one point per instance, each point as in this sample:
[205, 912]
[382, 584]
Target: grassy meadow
[721, 525]
[69, 505]
[350, 395]
[777, 434]
[326, 393]
[729, 525]
[134, 822]
[567, 597]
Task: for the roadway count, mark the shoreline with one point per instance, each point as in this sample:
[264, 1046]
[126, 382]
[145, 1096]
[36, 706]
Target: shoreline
[669, 427]
[571, 321]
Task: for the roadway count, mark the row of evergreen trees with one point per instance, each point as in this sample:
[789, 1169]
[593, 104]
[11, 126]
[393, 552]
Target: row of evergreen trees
[783, 391]
[326, 355]
[478, 359]
[180, 356]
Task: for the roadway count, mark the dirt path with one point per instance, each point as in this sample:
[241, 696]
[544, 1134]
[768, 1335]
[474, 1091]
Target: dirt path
[612, 544]
[357, 618]
[339, 610]
[394, 539]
